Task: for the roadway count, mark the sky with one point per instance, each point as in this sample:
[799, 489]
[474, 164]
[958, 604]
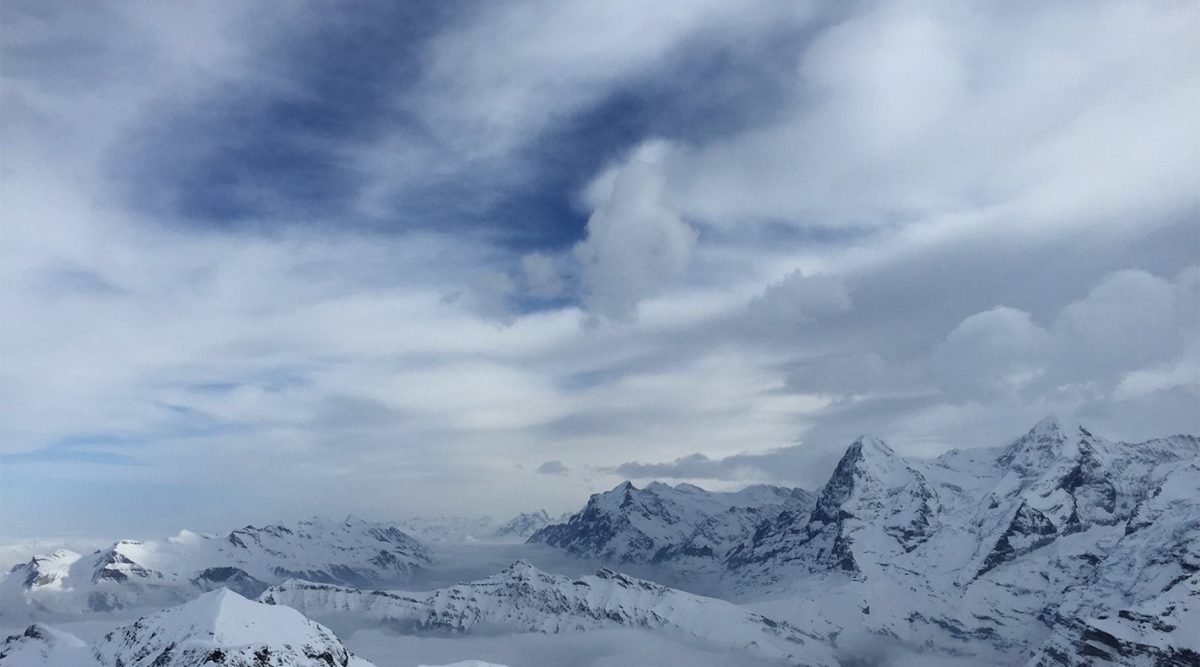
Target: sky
[265, 260]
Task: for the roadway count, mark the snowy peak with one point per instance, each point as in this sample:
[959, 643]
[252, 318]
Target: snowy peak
[867, 464]
[873, 486]
[43, 646]
[1043, 443]
[866, 473]
[222, 627]
[45, 571]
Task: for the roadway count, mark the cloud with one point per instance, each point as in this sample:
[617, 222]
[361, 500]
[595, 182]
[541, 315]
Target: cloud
[362, 254]
[542, 276]
[636, 244]
[800, 299]
[784, 465]
[553, 467]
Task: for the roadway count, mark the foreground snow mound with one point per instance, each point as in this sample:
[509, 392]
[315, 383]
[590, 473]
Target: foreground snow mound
[224, 628]
[43, 646]
[522, 598]
[133, 573]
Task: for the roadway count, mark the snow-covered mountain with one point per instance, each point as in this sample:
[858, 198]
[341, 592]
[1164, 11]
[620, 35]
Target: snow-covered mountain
[874, 503]
[1060, 548]
[43, 646]
[523, 525]
[986, 552]
[522, 598]
[134, 573]
[221, 627]
[682, 527]
[217, 628]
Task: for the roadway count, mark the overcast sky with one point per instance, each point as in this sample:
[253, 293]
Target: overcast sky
[263, 260]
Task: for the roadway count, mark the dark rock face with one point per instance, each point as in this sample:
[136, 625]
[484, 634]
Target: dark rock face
[233, 578]
[871, 486]
[117, 567]
[588, 532]
[1029, 529]
[684, 527]
[1085, 645]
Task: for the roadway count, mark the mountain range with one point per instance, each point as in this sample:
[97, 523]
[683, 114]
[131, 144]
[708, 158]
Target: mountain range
[217, 628]
[133, 573]
[999, 554]
[1060, 548]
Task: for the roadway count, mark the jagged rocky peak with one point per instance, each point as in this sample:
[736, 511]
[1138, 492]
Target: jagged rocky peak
[222, 627]
[631, 525]
[865, 477]
[524, 524]
[1043, 443]
[866, 457]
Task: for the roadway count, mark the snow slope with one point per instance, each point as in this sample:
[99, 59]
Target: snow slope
[522, 598]
[43, 646]
[217, 628]
[222, 627]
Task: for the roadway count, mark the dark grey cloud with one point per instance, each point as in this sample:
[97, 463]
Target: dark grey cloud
[553, 467]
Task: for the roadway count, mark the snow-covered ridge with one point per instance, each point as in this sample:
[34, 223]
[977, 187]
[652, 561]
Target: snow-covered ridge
[222, 627]
[522, 598]
[134, 573]
[217, 628]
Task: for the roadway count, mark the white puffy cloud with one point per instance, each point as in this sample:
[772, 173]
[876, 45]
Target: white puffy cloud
[1051, 115]
[992, 352]
[637, 244]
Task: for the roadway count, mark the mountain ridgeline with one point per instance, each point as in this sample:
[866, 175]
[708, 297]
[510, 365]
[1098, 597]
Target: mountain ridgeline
[1027, 551]
[1059, 549]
